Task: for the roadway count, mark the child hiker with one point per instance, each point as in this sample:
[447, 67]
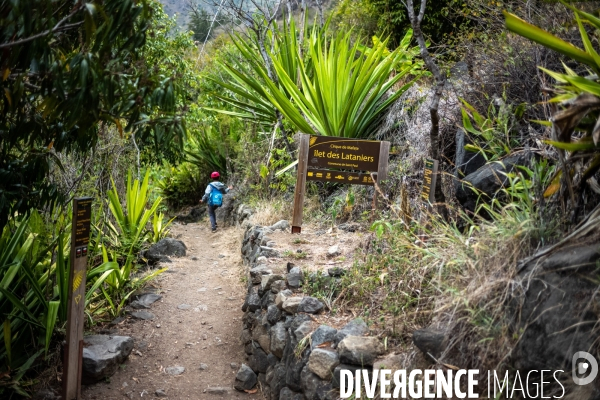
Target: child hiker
[214, 195]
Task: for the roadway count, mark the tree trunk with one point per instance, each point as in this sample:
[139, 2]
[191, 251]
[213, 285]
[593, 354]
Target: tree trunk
[440, 82]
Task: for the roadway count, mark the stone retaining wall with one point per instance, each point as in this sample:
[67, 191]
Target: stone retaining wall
[289, 354]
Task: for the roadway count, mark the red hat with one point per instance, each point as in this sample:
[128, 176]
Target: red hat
[215, 175]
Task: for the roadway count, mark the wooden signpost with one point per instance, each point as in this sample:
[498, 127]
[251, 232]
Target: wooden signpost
[429, 181]
[80, 237]
[328, 159]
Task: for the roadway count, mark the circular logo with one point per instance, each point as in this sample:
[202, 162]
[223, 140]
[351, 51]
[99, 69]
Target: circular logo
[584, 363]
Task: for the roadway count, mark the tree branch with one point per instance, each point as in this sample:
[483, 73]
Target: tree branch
[45, 33]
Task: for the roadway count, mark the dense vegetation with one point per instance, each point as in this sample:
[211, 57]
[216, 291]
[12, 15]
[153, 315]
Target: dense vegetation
[109, 99]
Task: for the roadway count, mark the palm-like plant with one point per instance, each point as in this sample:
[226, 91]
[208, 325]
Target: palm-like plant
[131, 222]
[207, 150]
[33, 294]
[331, 87]
[346, 93]
[579, 101]
[247, 90]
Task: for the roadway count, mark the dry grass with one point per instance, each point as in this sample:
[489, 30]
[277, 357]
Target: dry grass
[434, 276]
[268, 213]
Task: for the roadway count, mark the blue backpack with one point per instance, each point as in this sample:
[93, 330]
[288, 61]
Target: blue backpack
[216, 197]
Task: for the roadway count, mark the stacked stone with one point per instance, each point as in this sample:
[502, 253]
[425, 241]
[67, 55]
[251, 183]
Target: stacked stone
[288, 354]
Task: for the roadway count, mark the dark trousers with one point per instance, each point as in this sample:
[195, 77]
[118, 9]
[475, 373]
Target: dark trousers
[212, 217]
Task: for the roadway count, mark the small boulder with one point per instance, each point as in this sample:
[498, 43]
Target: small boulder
[269, 252]
[333, 251]
[260, 335]
[160, 393]
[349, 227]
[360, 350]
[295, 277]
[323, 334]
[282, 297]
[176, 370]
[145, 315]
[303, 330]
[278, 286]
[310, 305]
[336, 272]
[356, 327]
[145, 300]
[278, 339]
[259, 361]
[245, 379]
[273, 314]
[268, 280]
[322, 362]
[291, 304]
[165, 247]
[102, 355]
[257, 273]
[218, 390]
[281, 225]
[489, 179]
[429, 341]
[314, 388]
[253, 301]
[246, 336]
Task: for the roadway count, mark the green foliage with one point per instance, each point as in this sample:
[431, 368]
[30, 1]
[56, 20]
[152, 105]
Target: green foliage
[345, 95]
[33, 294]
[182, 185]
[248, 93]
[131, 222]
[199, 22]
[360, 17]
[330, 87]
[392, 18]
[495, 135]
[578, 99]
[119, 286]
[68, 68]
[208, 152]
[159, 227]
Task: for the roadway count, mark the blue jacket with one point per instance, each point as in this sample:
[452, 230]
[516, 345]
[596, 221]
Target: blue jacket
[219, 185]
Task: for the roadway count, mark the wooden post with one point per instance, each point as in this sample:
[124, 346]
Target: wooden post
[300, 183]
[382, 172]
[80, 237]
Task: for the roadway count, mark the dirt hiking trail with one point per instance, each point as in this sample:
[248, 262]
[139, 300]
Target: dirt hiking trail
[197, 325]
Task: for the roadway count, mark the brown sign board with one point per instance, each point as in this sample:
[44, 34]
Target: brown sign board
[342, 153]
[429, 181]
[320, 158]
[82, 221]
[80, 237]
[326, 175]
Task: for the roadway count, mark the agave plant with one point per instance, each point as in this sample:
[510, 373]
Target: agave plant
[207, 150]
[332, 87]
[247, 86]
[131, 221]
[33, 294]
[578, 98]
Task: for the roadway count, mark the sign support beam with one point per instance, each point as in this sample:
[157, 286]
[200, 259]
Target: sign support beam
[382, 171]
[73, 352]
[300, 183]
